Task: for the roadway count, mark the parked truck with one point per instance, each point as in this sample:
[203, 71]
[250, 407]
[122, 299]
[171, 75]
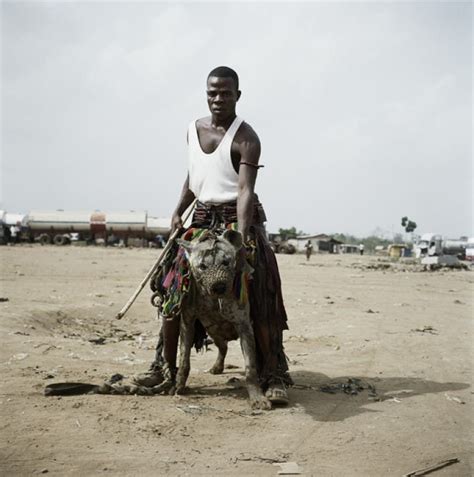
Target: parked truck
[279, 245]
[433, 245]
[61, 227]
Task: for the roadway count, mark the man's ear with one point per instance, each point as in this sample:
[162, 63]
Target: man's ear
[238, 94]
[234, 237]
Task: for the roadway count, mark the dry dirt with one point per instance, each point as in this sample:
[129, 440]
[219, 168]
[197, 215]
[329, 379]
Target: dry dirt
[346, 321]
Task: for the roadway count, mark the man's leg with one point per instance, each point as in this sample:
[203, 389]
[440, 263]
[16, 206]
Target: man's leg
[170, 342]
[269, 320]
[165, 355]
[270, 370]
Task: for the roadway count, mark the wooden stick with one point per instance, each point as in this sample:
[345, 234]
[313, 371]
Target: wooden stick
[432, 468]
[152, 270]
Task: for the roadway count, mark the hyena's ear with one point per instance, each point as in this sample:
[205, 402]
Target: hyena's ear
[234, 237]
[188, 246]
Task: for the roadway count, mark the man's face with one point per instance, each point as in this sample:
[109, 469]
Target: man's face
[222, 95]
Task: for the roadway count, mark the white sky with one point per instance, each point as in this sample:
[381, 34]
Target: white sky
[363, 109]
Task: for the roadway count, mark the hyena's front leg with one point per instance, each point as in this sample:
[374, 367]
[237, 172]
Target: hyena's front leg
[247, 343]
[221, 344]
[186, 343]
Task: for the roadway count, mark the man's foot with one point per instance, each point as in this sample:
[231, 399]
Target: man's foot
[149, 379]
[277, 394]
[166, 387]
[260, 403]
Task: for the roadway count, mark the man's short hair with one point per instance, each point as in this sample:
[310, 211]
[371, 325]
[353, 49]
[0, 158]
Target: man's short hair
[225, 72]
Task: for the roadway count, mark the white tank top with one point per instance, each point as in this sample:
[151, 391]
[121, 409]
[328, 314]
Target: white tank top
[212, 177]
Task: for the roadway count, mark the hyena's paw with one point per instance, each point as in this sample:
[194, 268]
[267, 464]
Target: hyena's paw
[217, 369]
[180, 389]
[260, 402]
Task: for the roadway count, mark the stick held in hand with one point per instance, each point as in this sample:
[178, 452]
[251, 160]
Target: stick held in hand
[152, 270]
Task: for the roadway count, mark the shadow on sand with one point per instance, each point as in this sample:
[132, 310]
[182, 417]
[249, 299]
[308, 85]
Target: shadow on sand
[323, 406]
[327, 407]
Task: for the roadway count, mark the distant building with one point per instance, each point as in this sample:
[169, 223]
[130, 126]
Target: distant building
[397, 250]
[320, 243]
[349, 248]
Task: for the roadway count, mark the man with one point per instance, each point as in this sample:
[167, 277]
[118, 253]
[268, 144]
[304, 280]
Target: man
[14, 231]
[309, 249]
[224, 152]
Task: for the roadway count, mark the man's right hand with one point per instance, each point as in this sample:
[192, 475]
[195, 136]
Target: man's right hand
[176, 223]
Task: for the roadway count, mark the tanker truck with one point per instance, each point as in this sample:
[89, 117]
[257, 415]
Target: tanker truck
[56, 226]
[61, 227]
[434, 245]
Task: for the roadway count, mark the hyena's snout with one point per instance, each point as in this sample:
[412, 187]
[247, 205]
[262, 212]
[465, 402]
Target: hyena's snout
[218, 281]
[219, 288]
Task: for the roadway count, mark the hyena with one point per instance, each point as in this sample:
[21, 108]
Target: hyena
[213, 261]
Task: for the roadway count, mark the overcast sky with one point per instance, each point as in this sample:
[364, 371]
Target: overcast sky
[363, 109]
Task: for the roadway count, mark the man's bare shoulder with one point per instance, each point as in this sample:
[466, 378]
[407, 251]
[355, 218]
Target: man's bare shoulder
[203, 122]
[246, 134]
[248, 144]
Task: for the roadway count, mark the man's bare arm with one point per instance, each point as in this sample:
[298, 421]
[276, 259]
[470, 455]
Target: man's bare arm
[250, 155]
[184, 202]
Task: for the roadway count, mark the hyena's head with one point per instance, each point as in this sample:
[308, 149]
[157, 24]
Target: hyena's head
[212, 261]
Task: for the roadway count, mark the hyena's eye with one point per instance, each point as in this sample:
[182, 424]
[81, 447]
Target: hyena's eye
[226, 262]
[202, 266]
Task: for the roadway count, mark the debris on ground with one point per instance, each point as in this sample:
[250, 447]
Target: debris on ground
[4, 299]
[192, 409]
[69, 389]
[373, 266]
[353, 386]
[406, 265]
[299, 338]
[97, 340]
[236, 383]
[426, 329]
[372, 311]
[129, 359]
[269, 460]
[391, 394]
[432, 468]
[288, 468]
[19, 357]
[454, 399]
[303, 386]
[115, 378]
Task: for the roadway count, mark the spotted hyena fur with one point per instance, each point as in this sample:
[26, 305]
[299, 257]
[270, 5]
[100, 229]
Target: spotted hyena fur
[213, 261]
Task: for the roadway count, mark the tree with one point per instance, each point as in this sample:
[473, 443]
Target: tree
[398, 238]
[408, 224]
[289, 233]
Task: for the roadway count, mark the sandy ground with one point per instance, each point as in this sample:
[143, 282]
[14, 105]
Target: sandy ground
[345, 321]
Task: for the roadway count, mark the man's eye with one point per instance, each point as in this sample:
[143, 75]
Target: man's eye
[202, 266]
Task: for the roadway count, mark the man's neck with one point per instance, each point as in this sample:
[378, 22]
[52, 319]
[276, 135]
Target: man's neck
[222, 122]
